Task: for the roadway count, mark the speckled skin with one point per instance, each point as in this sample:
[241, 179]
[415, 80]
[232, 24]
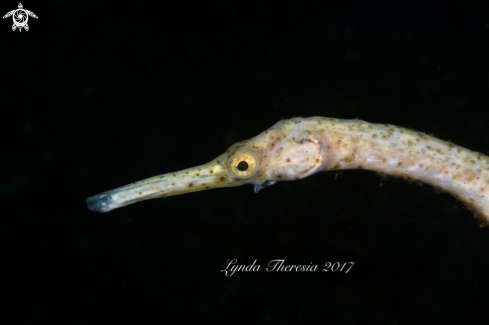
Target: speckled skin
[299, 147]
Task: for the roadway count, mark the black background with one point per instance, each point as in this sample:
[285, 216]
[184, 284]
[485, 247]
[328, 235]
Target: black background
[100, 94]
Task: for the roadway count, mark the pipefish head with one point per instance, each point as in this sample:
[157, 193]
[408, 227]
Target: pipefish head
[287, 151]
[290, 150]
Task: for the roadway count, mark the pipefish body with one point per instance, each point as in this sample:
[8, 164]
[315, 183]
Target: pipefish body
[299, 147]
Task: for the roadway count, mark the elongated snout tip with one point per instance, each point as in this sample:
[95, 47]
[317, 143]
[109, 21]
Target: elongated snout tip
[99, 203]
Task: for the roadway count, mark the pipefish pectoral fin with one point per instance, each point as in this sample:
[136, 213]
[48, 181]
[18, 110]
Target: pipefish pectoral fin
[258, 187]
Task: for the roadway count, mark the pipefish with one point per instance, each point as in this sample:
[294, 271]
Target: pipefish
[299, 147]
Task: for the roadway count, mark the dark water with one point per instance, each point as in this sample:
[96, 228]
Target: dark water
[97, 95]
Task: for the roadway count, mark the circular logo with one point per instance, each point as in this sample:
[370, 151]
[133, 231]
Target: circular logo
[20, 17]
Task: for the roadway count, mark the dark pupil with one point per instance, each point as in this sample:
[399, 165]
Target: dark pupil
[242, 166]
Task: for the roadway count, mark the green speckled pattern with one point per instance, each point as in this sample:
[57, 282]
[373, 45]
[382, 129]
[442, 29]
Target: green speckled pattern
[299, 147]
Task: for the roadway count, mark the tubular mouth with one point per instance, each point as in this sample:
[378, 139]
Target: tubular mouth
[99, 203]
[204, 177]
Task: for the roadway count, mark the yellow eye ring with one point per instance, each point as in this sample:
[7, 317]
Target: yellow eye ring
[243, 164]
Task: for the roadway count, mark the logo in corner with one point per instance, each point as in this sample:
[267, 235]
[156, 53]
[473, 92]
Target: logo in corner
[20, 17]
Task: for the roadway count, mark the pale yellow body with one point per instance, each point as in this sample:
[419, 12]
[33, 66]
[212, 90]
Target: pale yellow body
[299, 147]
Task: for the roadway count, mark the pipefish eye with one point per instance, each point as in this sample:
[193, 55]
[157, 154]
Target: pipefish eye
[243, 164]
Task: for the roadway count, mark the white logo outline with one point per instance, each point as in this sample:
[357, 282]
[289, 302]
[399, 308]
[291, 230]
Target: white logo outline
[20, 17]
